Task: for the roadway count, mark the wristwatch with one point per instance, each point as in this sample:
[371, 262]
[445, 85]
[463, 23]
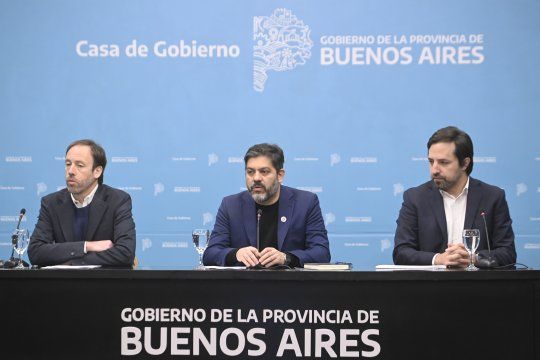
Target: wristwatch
[287, 259]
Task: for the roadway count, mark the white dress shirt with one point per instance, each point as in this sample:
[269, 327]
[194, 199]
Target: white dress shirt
[454, 210]
[86, 201]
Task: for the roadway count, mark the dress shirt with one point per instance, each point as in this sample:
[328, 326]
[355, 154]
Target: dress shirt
[454, 210]
[86, 201]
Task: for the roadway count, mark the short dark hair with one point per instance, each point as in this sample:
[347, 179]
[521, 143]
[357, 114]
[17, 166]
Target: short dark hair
[98, 154]
[271, 151]
[463, 142]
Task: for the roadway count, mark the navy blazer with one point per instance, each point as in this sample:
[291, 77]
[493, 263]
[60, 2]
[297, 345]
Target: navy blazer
[301, 230]
[421, 227]
[52, 241]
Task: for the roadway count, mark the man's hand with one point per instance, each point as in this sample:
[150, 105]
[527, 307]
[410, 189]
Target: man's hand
[271, 256]
[454, 255]
[249, 256]
[99, 245]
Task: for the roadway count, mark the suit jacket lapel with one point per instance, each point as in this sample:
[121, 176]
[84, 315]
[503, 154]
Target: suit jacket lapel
[437, 205]
[286, 207]
[65, 216]
[250, 219]
[98, 206]
[474, 197]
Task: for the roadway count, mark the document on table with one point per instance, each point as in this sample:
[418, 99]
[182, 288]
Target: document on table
[410, 267]
[71, 267]
[224, 268]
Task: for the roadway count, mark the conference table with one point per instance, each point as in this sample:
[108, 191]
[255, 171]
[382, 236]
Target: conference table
[269, 314]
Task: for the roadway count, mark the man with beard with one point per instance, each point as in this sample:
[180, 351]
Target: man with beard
[434, 214]
[88, 222]
[290, 224]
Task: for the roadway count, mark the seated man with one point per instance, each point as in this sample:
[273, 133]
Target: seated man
[289, 221]
[434, 214]
[88, 223]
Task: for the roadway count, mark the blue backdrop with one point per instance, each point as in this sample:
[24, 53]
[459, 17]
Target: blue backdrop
[177, 91]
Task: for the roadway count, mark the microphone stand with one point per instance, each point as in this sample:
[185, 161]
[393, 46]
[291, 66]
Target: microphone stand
[258, 266]
[12, 262]
[486, 262]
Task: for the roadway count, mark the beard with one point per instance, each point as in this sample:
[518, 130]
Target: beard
[80, 186]
[268, 192]
[443, 183]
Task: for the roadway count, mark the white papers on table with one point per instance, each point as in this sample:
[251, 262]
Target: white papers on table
[71, 267]
[410, 267]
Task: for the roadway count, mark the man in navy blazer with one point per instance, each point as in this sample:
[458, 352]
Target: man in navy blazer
[289, 221]
[434, 214]
[88, 222]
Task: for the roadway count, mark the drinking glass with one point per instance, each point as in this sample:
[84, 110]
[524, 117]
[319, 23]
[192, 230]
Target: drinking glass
[471, 240]
[200, 241]
[20, 239]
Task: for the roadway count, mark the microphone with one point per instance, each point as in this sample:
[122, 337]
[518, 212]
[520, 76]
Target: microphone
[258, 266]
[486, 261]
[14, 237]
[259, 213]
[21, 215]
[12, 262]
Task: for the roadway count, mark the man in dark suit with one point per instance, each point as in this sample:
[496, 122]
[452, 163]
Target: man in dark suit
[290, 224]
[434, 214]
[88, 222]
